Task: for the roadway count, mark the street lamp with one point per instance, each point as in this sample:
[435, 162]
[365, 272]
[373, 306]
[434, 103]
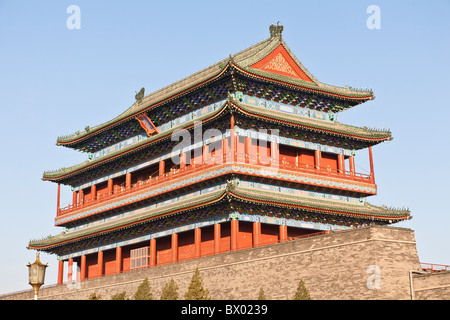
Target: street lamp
[36, 272]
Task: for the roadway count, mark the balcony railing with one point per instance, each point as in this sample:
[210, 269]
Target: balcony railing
[432, 267]
[215, 161]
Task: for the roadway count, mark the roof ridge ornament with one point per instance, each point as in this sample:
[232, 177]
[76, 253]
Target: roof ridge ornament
[276, 30]
[139, 95]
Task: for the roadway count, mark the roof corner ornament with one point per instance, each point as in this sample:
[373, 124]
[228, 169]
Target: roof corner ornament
[140, 95]
[276, 30]
[230, 187]
[147, 124]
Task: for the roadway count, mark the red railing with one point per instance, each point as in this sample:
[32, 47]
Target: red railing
[433, 267]
[176, 173]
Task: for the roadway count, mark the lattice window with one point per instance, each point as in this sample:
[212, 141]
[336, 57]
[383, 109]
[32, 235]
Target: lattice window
[140, 258]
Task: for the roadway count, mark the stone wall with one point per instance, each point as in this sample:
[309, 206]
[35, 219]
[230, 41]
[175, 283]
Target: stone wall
[365, 263]
[431, 286]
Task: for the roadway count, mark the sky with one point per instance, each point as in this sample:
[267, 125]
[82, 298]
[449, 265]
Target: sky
[56, 80]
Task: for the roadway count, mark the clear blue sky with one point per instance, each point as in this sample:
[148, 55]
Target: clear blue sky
[55, 81]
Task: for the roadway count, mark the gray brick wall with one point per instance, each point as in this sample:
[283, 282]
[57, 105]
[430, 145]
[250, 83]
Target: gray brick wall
[366, 263]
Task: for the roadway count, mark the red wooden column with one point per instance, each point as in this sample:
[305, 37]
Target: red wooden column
[232, 140]
[247, 147]
[83, 268]
[93, 192]
[372, 176]
[274, 154]
[128, 180]
[197, 158]
[100, 264]
[216, 238]
[318, 159]
[58, 198]
[206, 155]
[74, 198]
[283, 233]
[110, 186]
[69, 270]
[162, 167]
[256, 234]
[174, 247]
[226, 151]
[198, 242]
[152, 252]
[182, 160]
[234, 234]
[351, 161]
[118, 259]
[60, 271]
[341, 163]
[81, 196]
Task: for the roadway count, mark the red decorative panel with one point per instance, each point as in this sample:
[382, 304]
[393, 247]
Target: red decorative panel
[279, 61]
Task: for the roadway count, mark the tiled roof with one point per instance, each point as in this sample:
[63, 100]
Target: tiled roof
[233, 192]
[242, 61]
[334, 128]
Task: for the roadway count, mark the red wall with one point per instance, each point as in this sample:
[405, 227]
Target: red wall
[306, 157]
[295, 232]
[164, 250]
[288, 154]
[118, 182]
[329, 160]
[207, 245]
[109, 262]
[245, 235]
[269, 233]
[102, 188]
[240, 148]
[225, 237]
[91, 266]
[186, 245]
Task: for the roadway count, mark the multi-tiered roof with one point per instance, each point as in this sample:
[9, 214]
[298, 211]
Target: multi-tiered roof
[262, 87]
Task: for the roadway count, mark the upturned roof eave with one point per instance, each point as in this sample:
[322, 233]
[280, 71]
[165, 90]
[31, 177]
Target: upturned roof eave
[313, 124]
[134, 111]
[56, 176]
[324, 206]
[271, 115]
[240, 61]
[129, 221]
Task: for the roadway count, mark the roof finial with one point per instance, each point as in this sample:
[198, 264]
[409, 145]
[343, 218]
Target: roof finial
[140, 95]
[276, 30]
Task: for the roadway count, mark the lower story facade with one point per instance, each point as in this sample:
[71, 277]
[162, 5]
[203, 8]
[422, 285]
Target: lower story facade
[222, 235]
